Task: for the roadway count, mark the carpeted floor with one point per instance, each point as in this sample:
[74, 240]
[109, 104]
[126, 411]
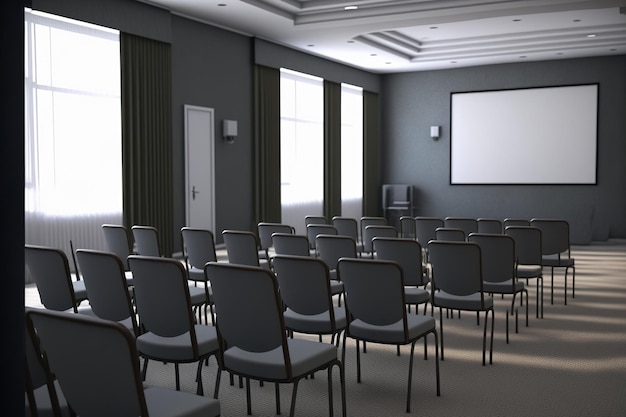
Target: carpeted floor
[570, 363]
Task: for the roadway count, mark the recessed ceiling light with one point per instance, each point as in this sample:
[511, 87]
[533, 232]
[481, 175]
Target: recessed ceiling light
[591, 35]
[373, 54]
[517, 20]
[388, 63]
[576, 20]
[222, 4]
[434, 27]
[351, 7]
[522, 56]
[453, 62]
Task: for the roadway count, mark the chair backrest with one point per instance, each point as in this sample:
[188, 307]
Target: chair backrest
[498, 256]
[374, 291]
[110, 385]
[487, 225]
[375, 230]
[49, 268]
[332, 247]
[241, 247]
[304, 284]
[554, 236]
[407, 253]
[456, 267]
[251, 320]
[425, 229]
[407, 227]
[314, 229]
[162, 296]
[105, 281]
[146, 240]
[119, 241]
[198, 246]
[346, 226]
[528, 248]
[510, 221]
[265, 231]
[315, 219]
[453, 234]
[467, 224]
[290, 244]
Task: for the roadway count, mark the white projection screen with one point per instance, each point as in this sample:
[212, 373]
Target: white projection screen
[545, 135]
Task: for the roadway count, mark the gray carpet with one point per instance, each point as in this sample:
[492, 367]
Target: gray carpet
[570, 363]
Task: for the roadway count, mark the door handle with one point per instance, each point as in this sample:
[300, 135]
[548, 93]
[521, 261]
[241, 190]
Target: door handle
[194, 192]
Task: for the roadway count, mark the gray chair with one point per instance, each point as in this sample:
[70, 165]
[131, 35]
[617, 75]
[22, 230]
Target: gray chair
[109, 295]
[198, 249]
[119, 241]
[330, 249]
[314, 229]
[101, 375]
[457, 283]
[408, 254]
[348, 226]
[146, 240]
[315, 219]
[43, 396]
[452, 234]
[291, 244]
[365, 221]
[528, 258]
[253, 337]
[467, 224]
[265, 231]
[242, 248]
[498, 262]
[489, 225]
[375, 304]
[376, 230]
[169, 331]
[304, 286]
[556, 251]
[50, 270]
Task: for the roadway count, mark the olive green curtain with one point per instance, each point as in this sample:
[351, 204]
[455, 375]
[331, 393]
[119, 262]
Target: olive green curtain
[332, 149]
[147, 136]
[371, 154]
[267, 144]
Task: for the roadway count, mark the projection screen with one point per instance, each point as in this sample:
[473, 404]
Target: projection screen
[544, 135]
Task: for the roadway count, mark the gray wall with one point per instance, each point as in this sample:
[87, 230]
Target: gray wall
[412, 102]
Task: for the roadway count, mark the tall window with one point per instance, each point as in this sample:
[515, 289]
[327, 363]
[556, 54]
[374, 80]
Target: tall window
[301, 147]
[73, 167]
[351, 151]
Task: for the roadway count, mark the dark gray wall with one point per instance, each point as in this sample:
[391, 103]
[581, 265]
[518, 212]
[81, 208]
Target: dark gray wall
[412, 102]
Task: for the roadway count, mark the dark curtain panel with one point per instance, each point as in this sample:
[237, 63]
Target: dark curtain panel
[147, 136]
[332, 149]
[371, 155]
[267, 144]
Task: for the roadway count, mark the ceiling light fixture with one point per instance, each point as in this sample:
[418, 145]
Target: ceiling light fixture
[351, 7]
[591, 35]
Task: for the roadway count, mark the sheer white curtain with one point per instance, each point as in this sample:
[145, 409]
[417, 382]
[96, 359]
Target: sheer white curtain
[351, 151]
[301, 147]
[73, 163]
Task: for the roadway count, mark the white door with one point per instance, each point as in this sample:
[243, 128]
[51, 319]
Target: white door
[200, 167]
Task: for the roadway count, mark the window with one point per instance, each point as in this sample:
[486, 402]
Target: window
[351, 151]
[301, 147]
[73, 163]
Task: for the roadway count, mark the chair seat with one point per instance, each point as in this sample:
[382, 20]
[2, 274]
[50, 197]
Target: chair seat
[196, 274]
[336, 287]
[504, 287]
[529, 271]
[178, 347]
[304, 355]
[163, 402]
[416, 295]
[317, 323]
[468, 302]
[554, 261]
[79, 290]
[392, 333]
[198, 295]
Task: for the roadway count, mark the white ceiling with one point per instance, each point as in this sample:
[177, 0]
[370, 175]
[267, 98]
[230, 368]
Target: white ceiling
[386, 36]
